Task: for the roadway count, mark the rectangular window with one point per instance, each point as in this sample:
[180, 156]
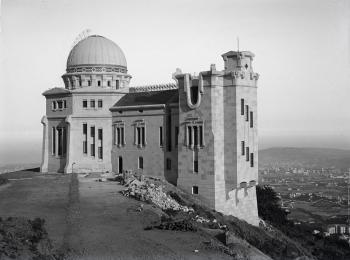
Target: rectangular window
[242, 106]
[168, 164]
[100, 143]
[108, 83]
[242, 147]
[189, 134]
[85, 138]
[84, 103]
[59, 104]
[118, 136]
[99, 83]
[195, 166]
[54, 105]
[92, 145]
[247, 113]
[85, 129]
[115, 134]
[195, 133]
[251, 119]
[194, 189]
[138, 137]
[201, 135]
[117, 84]
[60, 143]
[247, 154]
[64, 141]
[89, 83]
[92, 103]
[176, 136]
[100, 134]
[99, 103]
[168, 133]
[140, 162]
[92, 131]
[92, 149]
[161, 136]
[53, 140]
[122, 142]
[64, 103]
[252, 160]
[143, 136]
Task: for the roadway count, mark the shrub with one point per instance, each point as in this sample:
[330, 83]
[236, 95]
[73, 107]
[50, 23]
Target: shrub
[269, 206]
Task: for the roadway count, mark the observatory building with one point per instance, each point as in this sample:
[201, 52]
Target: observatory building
[199, 133]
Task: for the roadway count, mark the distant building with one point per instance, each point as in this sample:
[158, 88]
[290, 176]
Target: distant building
[338, 229]
[199, 133]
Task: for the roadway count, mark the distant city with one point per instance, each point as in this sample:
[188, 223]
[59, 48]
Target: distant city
[312, 193]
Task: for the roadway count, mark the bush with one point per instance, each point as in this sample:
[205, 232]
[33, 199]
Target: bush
[3, 180]
[269, 206]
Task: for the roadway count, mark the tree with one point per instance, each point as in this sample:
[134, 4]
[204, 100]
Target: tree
[269, 207]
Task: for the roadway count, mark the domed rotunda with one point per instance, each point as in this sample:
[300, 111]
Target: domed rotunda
[96, 62]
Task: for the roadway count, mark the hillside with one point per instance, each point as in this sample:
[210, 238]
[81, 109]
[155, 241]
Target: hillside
[89, 219]
[305, 157]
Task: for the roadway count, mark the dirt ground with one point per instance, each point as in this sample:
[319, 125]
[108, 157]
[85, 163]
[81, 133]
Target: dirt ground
[91, 220]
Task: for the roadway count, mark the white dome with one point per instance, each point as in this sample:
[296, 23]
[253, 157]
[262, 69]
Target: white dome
[96, 50]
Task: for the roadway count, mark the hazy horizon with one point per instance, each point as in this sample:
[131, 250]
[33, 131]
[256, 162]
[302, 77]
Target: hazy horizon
[302, 53]
[30, 152]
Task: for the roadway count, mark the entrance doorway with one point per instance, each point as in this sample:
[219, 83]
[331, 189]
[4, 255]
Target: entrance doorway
[120, 164]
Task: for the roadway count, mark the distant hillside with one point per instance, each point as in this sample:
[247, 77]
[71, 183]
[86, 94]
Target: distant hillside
[305, 157]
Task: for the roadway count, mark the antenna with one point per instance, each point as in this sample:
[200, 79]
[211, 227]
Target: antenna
[84, 34]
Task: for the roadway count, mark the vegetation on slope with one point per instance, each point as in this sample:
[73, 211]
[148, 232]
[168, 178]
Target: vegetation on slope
[271, 242]
[21, 238]
[321, 247]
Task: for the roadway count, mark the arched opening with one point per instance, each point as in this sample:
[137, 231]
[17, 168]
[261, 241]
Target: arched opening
[194, 94]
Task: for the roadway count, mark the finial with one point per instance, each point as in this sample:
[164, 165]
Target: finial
[238, 44]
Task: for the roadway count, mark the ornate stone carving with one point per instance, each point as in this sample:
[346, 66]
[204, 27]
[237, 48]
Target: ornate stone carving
[157, 87]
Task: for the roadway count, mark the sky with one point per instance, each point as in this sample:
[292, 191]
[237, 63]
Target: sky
[301, 47]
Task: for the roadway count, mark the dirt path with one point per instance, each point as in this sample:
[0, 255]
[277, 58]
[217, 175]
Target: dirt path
[72, 235]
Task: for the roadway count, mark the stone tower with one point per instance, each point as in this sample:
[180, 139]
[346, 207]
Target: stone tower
[218, 147]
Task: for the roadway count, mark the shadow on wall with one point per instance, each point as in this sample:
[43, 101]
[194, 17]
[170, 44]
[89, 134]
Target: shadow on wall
[171, 177]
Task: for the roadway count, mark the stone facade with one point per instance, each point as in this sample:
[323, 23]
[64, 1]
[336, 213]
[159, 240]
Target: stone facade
[199, 134]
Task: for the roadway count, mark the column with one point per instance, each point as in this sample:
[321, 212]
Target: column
[70, 146]
[135, 134]
[45, 146]
[198, 136]
[123, 134]
[56, 142]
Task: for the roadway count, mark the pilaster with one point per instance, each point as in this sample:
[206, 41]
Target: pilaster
[45, 146]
